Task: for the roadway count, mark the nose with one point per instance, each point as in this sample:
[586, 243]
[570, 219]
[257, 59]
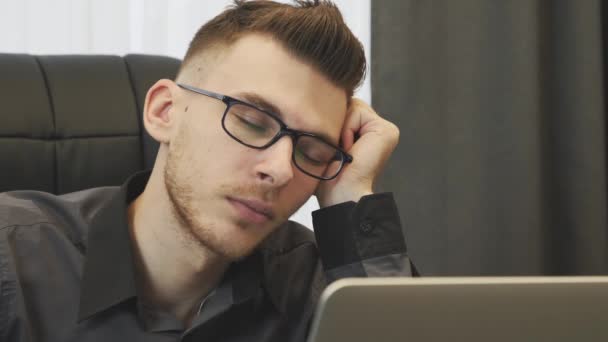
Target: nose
[274, 166]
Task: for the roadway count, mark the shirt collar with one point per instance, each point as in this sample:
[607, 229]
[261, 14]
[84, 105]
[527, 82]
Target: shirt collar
[108, 274]
[109, 271]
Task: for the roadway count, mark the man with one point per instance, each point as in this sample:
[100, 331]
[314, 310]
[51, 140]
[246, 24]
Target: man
[199, 248]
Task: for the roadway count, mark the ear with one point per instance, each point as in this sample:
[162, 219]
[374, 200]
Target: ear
[159, 119]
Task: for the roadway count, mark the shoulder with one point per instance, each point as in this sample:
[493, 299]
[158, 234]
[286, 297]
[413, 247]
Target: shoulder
[40, 232]
[38, 227]
[31, 220]
[28, 208]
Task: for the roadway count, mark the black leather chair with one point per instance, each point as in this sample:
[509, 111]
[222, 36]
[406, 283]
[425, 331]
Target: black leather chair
[71, 122]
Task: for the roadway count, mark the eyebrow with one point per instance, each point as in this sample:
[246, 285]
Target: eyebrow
[260, 102]
[268, 106]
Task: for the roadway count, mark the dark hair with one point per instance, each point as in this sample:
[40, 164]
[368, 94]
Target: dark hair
[313, 31]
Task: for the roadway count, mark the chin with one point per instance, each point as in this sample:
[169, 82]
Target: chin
[234, 252]
[234, 243]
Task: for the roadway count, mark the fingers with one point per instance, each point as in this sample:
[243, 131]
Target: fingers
[370, 140]
[348, 133]
[354, 122]
[362, 119]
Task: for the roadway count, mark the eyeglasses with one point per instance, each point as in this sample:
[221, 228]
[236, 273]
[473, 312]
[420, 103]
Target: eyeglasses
[260, 129]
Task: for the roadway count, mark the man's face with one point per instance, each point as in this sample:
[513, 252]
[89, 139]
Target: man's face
[231, 196]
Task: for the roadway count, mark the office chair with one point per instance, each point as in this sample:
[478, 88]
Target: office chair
[71, 122]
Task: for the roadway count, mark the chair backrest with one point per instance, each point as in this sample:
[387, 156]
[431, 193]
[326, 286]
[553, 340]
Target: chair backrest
[71, 122]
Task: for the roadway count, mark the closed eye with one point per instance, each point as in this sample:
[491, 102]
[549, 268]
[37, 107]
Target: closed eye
[251, 125]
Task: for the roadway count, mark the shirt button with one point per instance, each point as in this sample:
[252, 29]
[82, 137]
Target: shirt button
[366, 226]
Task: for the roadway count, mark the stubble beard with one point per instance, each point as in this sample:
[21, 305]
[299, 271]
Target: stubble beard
[196, 232]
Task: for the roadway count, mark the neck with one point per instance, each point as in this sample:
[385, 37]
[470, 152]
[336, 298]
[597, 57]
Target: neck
[174, 271]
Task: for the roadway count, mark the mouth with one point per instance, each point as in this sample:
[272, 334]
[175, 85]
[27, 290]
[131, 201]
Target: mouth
[252, 210]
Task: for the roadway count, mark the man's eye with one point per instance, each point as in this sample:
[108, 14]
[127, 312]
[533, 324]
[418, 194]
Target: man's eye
[250, 124]
[307, 157]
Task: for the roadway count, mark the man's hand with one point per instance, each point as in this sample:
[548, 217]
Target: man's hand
[370, 140]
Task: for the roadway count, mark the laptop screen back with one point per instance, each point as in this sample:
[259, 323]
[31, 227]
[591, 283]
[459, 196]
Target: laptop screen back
[463, 309]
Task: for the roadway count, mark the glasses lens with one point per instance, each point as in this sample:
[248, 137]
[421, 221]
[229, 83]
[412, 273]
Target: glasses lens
[250, 125]
[317, 157]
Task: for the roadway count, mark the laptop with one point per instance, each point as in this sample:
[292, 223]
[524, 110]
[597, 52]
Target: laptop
[463, 309]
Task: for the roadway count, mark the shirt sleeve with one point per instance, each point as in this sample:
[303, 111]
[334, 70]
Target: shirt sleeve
[362, 239]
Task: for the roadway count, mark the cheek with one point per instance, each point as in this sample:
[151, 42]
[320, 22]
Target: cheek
[299, 190]
[212, 151]
[196, 157]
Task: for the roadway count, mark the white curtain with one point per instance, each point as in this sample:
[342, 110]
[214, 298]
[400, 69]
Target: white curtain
[162, 27]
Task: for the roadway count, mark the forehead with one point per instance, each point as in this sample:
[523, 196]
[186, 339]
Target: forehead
[258, 65]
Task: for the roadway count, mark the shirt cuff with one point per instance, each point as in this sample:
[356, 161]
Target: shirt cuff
[352, 232]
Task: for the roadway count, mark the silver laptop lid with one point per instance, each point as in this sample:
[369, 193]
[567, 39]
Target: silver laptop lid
[463, 309]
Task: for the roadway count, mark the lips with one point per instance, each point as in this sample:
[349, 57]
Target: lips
[252, 210]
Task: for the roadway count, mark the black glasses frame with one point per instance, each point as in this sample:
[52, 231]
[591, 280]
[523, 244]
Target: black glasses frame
[284, 130]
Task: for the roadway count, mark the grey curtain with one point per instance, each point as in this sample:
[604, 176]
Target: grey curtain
[501, 166]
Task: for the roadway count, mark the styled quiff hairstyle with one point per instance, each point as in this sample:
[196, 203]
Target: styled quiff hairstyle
[313, 31]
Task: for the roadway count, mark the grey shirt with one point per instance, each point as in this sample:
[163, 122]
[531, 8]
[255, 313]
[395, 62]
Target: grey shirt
[67, 271]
